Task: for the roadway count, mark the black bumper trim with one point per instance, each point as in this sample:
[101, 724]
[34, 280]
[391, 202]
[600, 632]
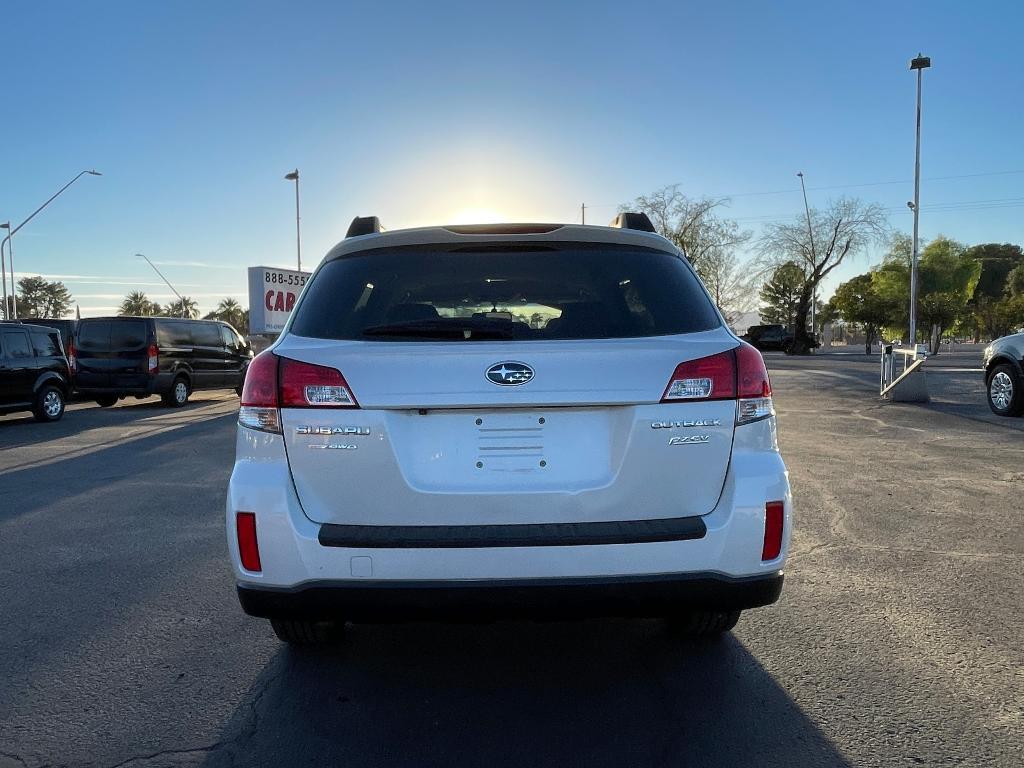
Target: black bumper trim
[390, 601]
[519, 535]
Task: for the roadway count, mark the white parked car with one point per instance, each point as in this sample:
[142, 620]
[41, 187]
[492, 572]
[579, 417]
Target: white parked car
[506, 421]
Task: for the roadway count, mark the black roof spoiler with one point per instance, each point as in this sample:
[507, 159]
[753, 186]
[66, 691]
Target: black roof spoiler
[364, 225]
[631, 220]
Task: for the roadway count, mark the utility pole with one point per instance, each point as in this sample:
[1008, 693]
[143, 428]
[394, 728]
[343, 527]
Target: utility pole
[814, 255]
[294, 176]
[583, 213]
[921, 63]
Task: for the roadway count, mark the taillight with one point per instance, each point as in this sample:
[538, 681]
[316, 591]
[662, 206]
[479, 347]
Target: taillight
[709, 378]
[304, 385]
[754, 388]
[154, 359]
[259, 395]
[736, 374]
[774, 519]
[273, 382]
[72, 357]
[248, 545]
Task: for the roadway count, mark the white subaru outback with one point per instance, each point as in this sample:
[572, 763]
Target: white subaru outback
[504, 421]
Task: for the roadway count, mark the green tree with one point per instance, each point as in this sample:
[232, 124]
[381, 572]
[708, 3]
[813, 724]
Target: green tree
[1015, 281]
[947, 278]
[41, 298]
[174, 309]
[780, 295]
[998, 317]
[230, 311]
[858, 301]
[997, 261]
[138, 304]
[845, 228]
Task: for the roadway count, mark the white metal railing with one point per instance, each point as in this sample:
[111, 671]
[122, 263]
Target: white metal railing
[912, 358]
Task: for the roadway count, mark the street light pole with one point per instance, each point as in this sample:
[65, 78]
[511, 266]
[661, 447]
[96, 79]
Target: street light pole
[11, 232]
[814, 255]
[294, 176]
[921, 63]
[181, 301]
[3, 270]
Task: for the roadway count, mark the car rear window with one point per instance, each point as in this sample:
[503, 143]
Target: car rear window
[487, 293]
[94, 336]
[127, 335]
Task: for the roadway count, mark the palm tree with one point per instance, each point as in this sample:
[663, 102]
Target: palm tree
[174, 309]
[230, 311]
[137, 303]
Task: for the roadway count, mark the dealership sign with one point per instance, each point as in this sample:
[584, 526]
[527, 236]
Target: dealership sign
[272, 296]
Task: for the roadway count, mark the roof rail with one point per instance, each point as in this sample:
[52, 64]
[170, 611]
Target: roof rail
[631, 220]
[364, 225]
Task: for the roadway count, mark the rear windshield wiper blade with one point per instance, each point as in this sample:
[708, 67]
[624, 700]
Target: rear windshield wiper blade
[454, 329]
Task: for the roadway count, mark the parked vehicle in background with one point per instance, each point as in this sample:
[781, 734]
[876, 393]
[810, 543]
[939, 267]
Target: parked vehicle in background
[1004, 375]
[115, 357]
[34, 374]
[769, 337]
[506, 421]
[66, 328]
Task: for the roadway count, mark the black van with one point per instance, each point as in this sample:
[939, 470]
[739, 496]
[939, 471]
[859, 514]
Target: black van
[34, 373]
[114, 357]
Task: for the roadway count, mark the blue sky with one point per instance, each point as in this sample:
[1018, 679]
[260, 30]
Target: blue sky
[420, 113]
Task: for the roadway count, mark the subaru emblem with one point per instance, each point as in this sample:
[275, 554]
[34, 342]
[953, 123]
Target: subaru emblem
[509, 374]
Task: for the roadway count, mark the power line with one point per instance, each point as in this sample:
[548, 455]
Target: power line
[846, 186]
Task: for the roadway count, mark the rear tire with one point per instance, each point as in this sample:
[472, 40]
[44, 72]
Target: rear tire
[105, 401]
[307, 632]
[703, 624]
[179, 393]
[49, 405]
[1005, 391]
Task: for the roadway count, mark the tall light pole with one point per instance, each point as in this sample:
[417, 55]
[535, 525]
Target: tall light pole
[3, 269]
[814, 255]
[11, 233]
[294, 176]
[921, 63]
[181, 301]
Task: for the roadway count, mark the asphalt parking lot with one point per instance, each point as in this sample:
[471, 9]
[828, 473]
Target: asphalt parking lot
[899, 638]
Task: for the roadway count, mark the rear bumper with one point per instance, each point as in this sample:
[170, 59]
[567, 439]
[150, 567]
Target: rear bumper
[653, 596]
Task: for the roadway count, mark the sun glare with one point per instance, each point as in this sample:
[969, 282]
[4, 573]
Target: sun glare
[477, 216]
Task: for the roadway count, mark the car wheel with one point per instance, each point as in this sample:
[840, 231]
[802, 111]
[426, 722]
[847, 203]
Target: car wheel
[703, 624]
[179, 393]
[308, 632]
[105, 401]
[49, 405]
[1005, 391]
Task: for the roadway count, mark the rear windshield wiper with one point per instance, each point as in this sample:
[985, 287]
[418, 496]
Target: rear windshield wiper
[453, 329]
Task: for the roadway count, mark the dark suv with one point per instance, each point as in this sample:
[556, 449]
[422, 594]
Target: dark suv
[114, 357]
[34, 374]
[766, 337]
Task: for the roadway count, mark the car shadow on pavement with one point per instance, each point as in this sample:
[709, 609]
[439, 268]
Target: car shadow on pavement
[598, 693]
[18, 430]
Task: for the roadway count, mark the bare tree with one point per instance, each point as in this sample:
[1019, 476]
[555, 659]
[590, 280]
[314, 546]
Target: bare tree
[709, 241]
[730, 284]
[846, 227]
[691, 224]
